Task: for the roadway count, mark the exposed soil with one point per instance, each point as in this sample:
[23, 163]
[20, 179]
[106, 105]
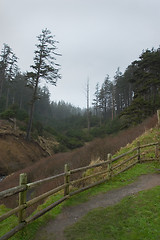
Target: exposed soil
[17, 153]
[70, 215]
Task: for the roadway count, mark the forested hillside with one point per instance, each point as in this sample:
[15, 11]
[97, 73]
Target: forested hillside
[135, 94]
[118, 103]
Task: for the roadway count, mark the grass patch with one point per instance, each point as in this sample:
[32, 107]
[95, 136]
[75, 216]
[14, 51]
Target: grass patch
[135, 217]
[123, 179]
[9, 223]
[152, 135]
[129, 176]
[28, 233]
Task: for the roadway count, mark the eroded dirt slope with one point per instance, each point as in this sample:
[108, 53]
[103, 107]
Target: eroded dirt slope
[15, 152]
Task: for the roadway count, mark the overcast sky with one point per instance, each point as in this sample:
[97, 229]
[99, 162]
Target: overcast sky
[95, 37]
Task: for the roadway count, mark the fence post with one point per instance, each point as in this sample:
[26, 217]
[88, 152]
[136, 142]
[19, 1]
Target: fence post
[158, 116]
[109, 158]
[66, 179]
[156, 151]
[22, 196]
[138, 152]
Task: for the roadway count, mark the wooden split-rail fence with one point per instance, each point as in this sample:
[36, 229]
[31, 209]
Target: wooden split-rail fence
[107, 169]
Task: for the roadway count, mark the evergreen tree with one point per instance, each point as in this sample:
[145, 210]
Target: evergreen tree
[8, 70]
[105, 97]
[145, 82]
[44, 68]
[95, 102]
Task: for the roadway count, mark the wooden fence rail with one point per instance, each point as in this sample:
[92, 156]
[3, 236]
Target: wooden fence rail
[110, 169]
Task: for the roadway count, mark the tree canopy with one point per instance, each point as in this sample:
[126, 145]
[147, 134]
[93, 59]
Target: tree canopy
[45, 67]
[118, 103]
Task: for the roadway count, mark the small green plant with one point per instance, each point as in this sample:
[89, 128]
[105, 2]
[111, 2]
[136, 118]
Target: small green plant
[9, 113]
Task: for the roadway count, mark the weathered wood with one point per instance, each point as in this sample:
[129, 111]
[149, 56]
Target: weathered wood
[149, 145]
[109, 158]
[12, 191]
[124, 154]
[87, 187]
[22, 197]
[37, 183]
[138, 152]
[88, 167]
[156, 151]
[148, 160]
[123, 170]
[88, 177]
[24, 186]
[45, 210]
[45, 195]
[31, 202]
[122, 163]
[11, 212]
[66, 179]
[13, 231]
[158, 117]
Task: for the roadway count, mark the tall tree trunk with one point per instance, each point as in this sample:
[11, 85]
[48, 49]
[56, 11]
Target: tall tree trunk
[20, 103]
[32, 109]
[13, 100]
[88, 113]
[7, 98]
[1, 87]
[30, 122]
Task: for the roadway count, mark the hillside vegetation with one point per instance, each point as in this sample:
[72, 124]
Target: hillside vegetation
[121, 180]
[97, 149]
[122, 111]
[121, 102]
[136, 216]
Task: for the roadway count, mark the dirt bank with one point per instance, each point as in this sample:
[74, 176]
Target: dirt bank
[17, 153]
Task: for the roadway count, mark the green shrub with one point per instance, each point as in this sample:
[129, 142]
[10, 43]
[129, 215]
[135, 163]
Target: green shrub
[14, 112]
[21, 115]
[38, 126]
[60, 148]
[98, 132]
[51, 130]
[8, 114]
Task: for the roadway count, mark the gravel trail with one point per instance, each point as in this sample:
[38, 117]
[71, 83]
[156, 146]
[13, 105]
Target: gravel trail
[70, 215]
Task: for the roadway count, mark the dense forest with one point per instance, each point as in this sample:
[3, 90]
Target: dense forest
[118, 103]
[133, 95]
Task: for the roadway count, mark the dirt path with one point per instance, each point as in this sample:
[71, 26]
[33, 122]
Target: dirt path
[70, 215]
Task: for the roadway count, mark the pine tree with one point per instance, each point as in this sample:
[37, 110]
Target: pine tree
[44, 68]
[8, 70]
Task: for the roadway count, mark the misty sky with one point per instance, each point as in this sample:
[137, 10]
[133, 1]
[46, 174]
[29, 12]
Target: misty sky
[95, 37]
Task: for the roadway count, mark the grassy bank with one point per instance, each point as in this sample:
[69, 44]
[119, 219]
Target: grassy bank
[135, 217]
[123, 179]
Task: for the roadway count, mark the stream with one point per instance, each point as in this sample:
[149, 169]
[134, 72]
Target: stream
[2, 177]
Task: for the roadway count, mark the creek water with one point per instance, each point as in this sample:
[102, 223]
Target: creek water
[1, 178]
